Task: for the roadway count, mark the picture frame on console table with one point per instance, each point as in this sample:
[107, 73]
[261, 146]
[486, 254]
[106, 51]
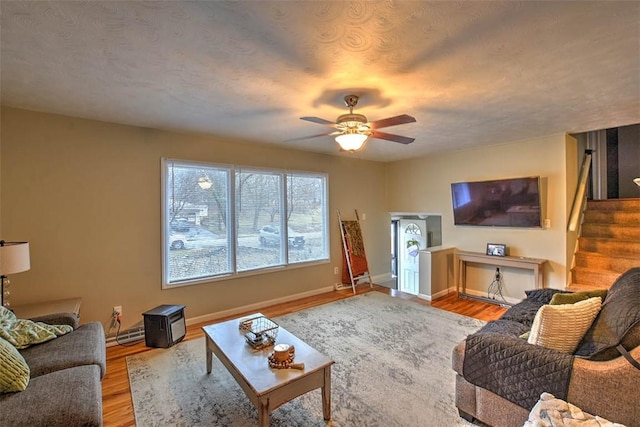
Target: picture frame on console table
[496, 249]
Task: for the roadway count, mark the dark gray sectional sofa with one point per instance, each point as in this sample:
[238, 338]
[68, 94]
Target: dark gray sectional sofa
[65, 388]
[601, 383]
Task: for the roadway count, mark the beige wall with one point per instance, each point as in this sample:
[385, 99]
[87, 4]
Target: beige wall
[424, 185]
[86, 195]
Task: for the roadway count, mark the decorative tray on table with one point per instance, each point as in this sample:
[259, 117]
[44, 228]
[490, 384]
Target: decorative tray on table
[260, 332]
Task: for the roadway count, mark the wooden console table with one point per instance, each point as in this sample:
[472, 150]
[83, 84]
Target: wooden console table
[536, 265]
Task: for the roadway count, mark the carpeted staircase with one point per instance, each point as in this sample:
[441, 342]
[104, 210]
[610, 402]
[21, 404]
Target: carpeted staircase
[609, 243]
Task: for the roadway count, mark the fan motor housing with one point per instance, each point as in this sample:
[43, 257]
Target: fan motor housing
[355, 118]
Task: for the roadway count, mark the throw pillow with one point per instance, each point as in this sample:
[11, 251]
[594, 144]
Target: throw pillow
[14, 371]
[574, 297]
[561, 327]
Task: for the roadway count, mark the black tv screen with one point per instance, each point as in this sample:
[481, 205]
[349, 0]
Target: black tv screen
[511, 202]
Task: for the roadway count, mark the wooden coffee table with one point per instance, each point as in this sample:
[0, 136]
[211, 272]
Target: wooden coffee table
[268, 388]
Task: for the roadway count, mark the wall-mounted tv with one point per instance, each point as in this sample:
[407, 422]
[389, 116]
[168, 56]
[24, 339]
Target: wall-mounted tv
[513, 202]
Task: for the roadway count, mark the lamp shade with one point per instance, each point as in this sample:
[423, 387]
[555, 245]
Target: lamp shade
[351, 141]
[637, 181]
[14, 257]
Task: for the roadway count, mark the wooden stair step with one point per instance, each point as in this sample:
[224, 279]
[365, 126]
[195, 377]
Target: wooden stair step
[609, 246]
[579, 287]
[612, 231]
[611, 217]
[617, 263]
[609, 243]
[594, 277]
[614, 204]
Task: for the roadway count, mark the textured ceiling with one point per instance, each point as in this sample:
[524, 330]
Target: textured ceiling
[471, 73]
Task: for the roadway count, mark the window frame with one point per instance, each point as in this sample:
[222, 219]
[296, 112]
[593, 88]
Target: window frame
[231, 224]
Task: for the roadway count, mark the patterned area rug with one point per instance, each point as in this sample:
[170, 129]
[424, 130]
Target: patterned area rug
[393, 368]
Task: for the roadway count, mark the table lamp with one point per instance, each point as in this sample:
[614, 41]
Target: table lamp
[14, 258]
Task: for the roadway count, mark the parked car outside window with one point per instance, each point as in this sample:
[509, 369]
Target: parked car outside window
[195, 238]
[269, 235]
[180, 225]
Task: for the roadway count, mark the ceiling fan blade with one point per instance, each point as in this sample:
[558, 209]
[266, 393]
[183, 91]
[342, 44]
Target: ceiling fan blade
[306, 137]
[392, 121]
[392, 137]
[312, 136]
[318, 120]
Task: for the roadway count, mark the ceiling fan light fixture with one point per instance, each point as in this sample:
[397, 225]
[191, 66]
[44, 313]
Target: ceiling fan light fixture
[204, 182]
[351, 141]
[354, 130]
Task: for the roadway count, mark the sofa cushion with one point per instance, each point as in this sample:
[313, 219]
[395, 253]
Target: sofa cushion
[71, 319]
[620, 313]
[14, 371]
[70, 397]
[524, 312]
[504, 327]
[24, 332]
[561, 327]
[514, 369]
[574, 297]
[84, 346]
[541, 295]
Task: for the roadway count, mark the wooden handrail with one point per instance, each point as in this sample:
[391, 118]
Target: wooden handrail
[580, 198]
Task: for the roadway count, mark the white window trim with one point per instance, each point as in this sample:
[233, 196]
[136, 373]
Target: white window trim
[231, 237]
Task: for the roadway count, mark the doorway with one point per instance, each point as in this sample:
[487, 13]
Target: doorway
[411, 233]
[615, 163]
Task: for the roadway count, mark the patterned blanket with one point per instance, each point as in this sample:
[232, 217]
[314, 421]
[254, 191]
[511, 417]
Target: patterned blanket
[552, 412]
[22, 333]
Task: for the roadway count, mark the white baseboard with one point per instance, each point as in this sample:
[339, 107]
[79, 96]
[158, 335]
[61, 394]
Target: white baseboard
[137, 333]
[255, 307]
[382, 278]
[433, 296]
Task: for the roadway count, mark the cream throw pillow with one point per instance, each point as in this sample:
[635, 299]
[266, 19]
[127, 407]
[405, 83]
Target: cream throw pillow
[14, 371]
[561, 327]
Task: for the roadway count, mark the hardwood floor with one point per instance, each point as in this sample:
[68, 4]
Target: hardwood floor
[116, 395]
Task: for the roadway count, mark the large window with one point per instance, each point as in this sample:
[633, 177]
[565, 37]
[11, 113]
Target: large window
[221, 220]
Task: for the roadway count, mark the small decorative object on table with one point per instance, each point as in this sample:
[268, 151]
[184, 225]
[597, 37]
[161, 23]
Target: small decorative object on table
[496, 249]
[260, 332]
[282, 357]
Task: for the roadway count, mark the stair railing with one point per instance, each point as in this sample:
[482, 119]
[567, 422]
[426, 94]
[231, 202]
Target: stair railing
[581, 192]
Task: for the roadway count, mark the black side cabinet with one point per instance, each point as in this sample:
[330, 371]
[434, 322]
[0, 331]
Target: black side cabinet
[164, 326]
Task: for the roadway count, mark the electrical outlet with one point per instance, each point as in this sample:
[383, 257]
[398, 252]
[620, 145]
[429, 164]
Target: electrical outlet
[335, 270]
[117, 310]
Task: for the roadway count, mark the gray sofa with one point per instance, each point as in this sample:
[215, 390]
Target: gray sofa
[603, 383]
[65, 388]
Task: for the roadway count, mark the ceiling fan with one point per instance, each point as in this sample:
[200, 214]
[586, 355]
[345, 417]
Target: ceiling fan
[353, 130]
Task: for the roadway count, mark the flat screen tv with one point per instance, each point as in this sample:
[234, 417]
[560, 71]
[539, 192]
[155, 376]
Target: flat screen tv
[513, 202]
